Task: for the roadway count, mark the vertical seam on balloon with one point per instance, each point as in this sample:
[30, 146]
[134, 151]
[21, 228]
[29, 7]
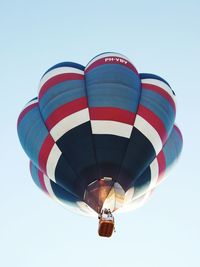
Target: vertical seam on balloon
[133, 128]
[57, 146]
[94, 148]
[92, 137]
[120, 167]
[139, 98]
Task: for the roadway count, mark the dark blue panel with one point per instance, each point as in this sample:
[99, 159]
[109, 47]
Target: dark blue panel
[64, 195]
[65, 64]
[142, 183]
[110, 150]
[35, 98]
[153, 76]
[60, 193]
[78, 149]
[66, 177]
[140, 153]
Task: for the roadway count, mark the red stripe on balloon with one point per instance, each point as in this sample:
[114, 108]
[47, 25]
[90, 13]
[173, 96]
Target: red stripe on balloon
[66, 110]
[107, 60]
[161, 165]
[58, 79]
[154, 120]
[112, 114]
[42, 183]
[160, 91]
[25, 111]
[44, 152]
[40, 176]
[178, 131]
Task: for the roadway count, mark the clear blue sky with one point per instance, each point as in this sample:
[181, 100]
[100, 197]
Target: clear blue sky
[161, 37]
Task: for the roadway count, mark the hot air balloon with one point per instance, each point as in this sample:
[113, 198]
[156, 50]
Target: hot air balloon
[100, 138]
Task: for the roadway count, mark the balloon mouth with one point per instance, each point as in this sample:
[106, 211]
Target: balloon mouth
[104, 193]
[97, 192]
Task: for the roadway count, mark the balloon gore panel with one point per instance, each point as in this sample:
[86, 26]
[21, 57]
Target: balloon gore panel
[100, 136]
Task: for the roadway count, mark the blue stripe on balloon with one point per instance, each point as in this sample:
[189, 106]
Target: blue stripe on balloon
[61, 94]
[153, 76]
[112, 95]
[65, 64]
[34, 174]
[32, 133]
[158, 105]
[113, 86]
[172, 148]
[113, 73]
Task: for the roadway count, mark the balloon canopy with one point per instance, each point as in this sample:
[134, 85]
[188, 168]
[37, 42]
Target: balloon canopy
[101, 136]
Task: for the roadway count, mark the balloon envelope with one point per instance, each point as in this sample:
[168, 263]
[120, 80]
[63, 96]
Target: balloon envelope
[100, 136]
